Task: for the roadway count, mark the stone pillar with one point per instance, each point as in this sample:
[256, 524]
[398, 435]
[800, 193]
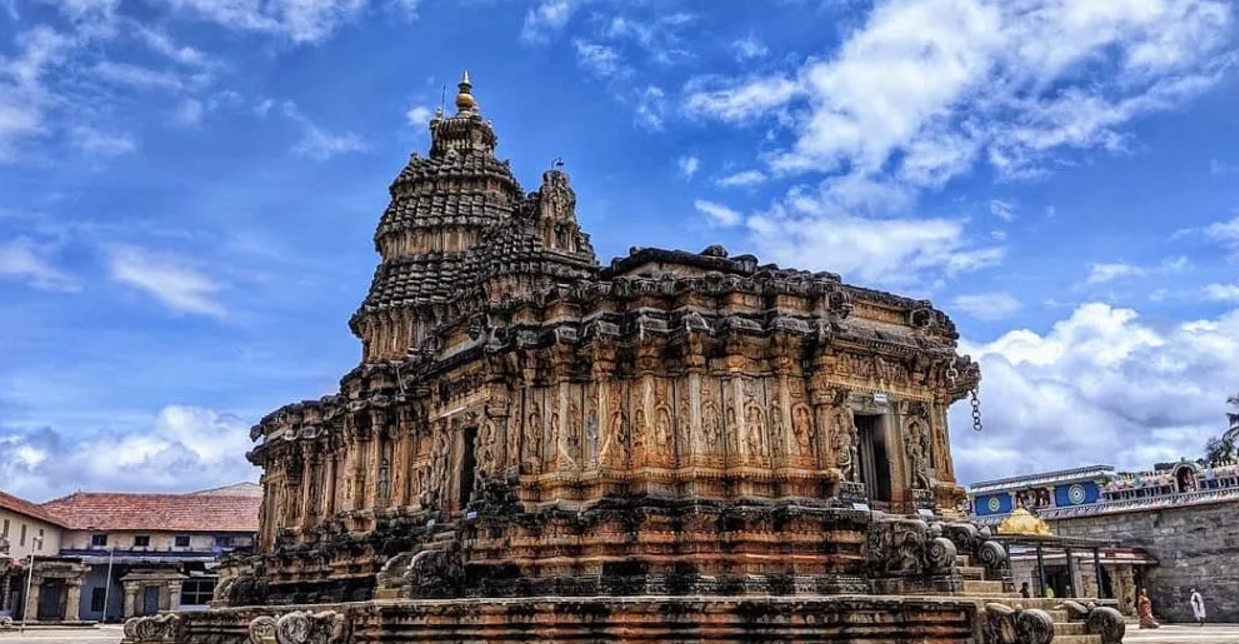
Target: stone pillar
[174, 595]
[31, 611]
[131, 598]
[5, 580]
[73, 600]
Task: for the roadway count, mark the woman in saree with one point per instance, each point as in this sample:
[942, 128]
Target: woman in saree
[1144, 609]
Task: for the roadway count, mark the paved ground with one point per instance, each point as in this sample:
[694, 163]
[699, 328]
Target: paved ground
[105, 635]
[1211, 634]
[1208, 634]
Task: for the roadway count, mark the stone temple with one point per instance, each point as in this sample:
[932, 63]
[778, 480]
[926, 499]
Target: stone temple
[676, 447]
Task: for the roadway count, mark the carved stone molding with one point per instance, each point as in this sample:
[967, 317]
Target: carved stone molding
[1014, 625]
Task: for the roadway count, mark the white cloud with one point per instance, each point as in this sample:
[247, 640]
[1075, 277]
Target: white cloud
[317, 143]
[749, 47]
[23, 259]
[988, 306]
[659, 38]
[718, 214]
[301, 21]
[738, 101]
[1100, 385]
[101, 143]
[889, 251]
[688, 165]
[600, 60]
[1226, 233]
[925, 90]
[170, 280]
[742, 179]
[1100, 273]
[189, 112]
[137, 76]
[547, 19]
[651, 107]
[418, 116]
[183, 448]
[1002, 209]
[1223, 292]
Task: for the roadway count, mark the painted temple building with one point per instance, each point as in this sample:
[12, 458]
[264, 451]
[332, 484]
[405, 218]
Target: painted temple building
[1160, 526]
[673, 446]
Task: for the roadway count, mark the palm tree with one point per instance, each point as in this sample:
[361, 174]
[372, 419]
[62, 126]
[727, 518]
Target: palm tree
[1222, 448]
[1233, 414]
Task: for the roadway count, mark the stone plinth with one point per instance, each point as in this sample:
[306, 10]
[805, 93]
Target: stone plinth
[890, 620]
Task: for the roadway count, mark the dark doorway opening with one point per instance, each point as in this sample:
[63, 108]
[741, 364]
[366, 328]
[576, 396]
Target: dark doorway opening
[51, 601]
[150, 600]
[875, 465]
[468, 462]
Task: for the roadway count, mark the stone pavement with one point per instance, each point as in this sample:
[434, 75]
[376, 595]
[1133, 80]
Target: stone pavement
[1210, 634]
[105, 635]
[1183, 634]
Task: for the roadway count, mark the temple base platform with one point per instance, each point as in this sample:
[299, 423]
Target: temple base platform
[855, 619]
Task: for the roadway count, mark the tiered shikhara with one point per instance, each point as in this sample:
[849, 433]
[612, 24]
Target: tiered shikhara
[693, 429]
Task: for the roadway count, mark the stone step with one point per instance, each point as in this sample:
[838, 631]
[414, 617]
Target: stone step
[1077, 639]
[963, 560]
[971, 572]
[1064, 627]
[982, 587]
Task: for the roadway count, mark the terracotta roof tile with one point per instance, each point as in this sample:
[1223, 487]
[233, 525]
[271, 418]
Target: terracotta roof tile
[157, 512]
[22, 506]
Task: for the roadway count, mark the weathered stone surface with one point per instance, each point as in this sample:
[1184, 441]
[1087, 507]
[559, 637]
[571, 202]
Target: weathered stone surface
[1196, 547]
[677, 447]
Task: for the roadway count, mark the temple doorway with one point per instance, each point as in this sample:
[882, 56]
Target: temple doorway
[51, 601]
[875, 465]
[468, 463]
[150, 600]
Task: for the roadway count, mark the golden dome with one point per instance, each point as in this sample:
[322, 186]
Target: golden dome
[1022, 521]
[464, 100]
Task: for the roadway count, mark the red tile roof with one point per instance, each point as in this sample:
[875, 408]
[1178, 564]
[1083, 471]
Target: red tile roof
[156, 512]
[22, 506]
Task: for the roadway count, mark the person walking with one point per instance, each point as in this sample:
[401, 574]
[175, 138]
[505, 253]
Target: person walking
[1144, 609]
[1024, 591]
[1198, 607]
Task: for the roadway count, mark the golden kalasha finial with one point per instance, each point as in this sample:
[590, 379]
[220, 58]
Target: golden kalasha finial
[464, 99]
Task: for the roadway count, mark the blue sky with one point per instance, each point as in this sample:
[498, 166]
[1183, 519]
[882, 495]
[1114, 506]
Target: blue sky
[188, 191]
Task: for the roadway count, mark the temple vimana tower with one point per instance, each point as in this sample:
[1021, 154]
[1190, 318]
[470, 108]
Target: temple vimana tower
[674, 447]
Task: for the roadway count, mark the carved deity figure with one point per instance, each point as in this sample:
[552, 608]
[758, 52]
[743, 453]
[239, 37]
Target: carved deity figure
[802, 427]
[591, 437]
[553, 442]
[533, 435]
[710, 427]
[664, 444]
[731, 429]
[639, 436]
[918, 444]
[778, 435]
[846, 443]
[755, 428]
[384, 483]
[486, 451]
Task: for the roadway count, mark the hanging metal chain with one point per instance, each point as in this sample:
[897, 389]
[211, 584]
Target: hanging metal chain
[952, 374]
[976, 411]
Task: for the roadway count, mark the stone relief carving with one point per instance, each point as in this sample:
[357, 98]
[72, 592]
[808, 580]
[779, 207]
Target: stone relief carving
[917, 448]
[1007, 625]
[845, 443]
[802, 429]
[1099, 620]
[533, 435]
[153, 628]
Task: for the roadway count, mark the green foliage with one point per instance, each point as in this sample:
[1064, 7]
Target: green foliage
[1222, 448]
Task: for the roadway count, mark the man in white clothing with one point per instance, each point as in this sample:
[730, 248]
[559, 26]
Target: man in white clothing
[1198, 607]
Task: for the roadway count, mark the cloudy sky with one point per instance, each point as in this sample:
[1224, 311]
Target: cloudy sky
[188, 190]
